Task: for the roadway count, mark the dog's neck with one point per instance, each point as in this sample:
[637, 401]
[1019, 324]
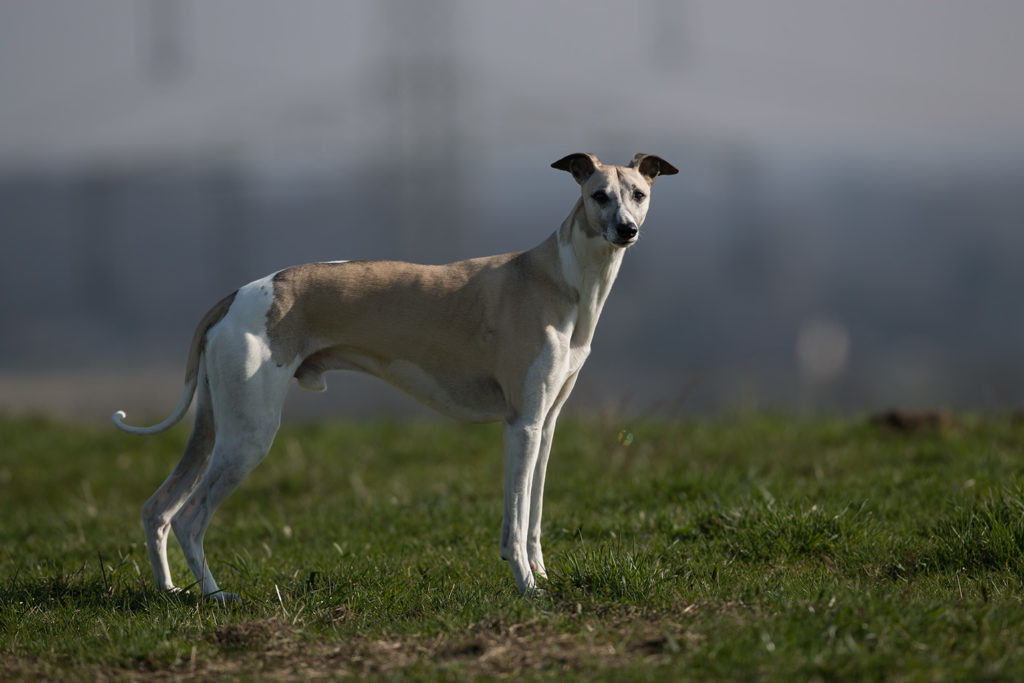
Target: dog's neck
[589, 266]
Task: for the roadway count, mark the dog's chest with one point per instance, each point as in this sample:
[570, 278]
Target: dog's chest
[576, 333]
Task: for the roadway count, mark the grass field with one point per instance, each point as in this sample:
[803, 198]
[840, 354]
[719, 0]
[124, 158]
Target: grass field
[747, 547]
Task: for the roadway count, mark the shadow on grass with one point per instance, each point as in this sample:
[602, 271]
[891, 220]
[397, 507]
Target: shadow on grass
[75, 591]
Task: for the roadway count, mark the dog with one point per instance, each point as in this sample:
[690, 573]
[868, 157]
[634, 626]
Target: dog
[495, 338]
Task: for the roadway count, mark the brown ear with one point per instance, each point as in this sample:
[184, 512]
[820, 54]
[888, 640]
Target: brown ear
[581, 165]
[651, 166]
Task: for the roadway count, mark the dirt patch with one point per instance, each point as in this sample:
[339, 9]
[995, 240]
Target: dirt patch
[274, 649]
[259, 635]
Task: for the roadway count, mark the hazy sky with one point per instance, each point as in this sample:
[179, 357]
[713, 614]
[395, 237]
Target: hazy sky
[277, 93]
[108, 79]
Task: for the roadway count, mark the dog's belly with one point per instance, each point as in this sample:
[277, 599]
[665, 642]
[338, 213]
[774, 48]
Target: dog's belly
[473, 397]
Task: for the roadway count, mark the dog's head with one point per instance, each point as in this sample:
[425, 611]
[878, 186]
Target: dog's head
[615, 198]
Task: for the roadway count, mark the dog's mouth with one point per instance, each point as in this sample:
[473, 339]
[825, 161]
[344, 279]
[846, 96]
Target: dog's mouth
[623, 241]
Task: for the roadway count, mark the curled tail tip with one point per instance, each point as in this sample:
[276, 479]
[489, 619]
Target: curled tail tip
[118, 420]
[186, 400]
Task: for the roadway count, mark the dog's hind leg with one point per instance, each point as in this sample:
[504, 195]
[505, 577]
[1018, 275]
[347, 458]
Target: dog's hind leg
[234, 457]
[161, 507]
[247, 410]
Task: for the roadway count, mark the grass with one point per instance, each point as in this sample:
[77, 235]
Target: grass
[700, 549]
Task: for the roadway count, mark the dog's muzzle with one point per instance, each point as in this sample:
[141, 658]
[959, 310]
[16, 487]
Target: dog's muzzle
[625, 233]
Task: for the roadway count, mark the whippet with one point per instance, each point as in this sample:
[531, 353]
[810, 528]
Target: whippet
[495, 338]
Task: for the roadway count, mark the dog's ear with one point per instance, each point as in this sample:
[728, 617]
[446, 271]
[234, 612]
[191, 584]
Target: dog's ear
[651, 166]
[581, 165]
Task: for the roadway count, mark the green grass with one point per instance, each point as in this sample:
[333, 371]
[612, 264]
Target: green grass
[741, 547]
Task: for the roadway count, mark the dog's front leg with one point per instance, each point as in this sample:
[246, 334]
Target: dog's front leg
[533, 549]
[522, 447]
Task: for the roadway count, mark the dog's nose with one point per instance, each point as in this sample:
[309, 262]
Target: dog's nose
[626, 231]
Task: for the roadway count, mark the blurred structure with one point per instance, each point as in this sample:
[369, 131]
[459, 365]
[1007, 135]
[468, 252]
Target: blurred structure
[845, 234]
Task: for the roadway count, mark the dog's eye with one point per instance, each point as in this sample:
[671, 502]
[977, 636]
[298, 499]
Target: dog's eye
[639, 196]
[600, 196]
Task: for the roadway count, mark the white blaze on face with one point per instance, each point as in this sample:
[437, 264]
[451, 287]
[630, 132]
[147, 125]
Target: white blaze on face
[634, 196]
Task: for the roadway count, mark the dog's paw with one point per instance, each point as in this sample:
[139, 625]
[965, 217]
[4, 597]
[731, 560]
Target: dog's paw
[224, 598]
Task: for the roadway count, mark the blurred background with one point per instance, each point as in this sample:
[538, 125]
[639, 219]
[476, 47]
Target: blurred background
[845, 235]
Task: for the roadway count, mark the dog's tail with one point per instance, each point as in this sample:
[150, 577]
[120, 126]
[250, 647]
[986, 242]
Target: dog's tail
[183, 405]
[193, 369]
